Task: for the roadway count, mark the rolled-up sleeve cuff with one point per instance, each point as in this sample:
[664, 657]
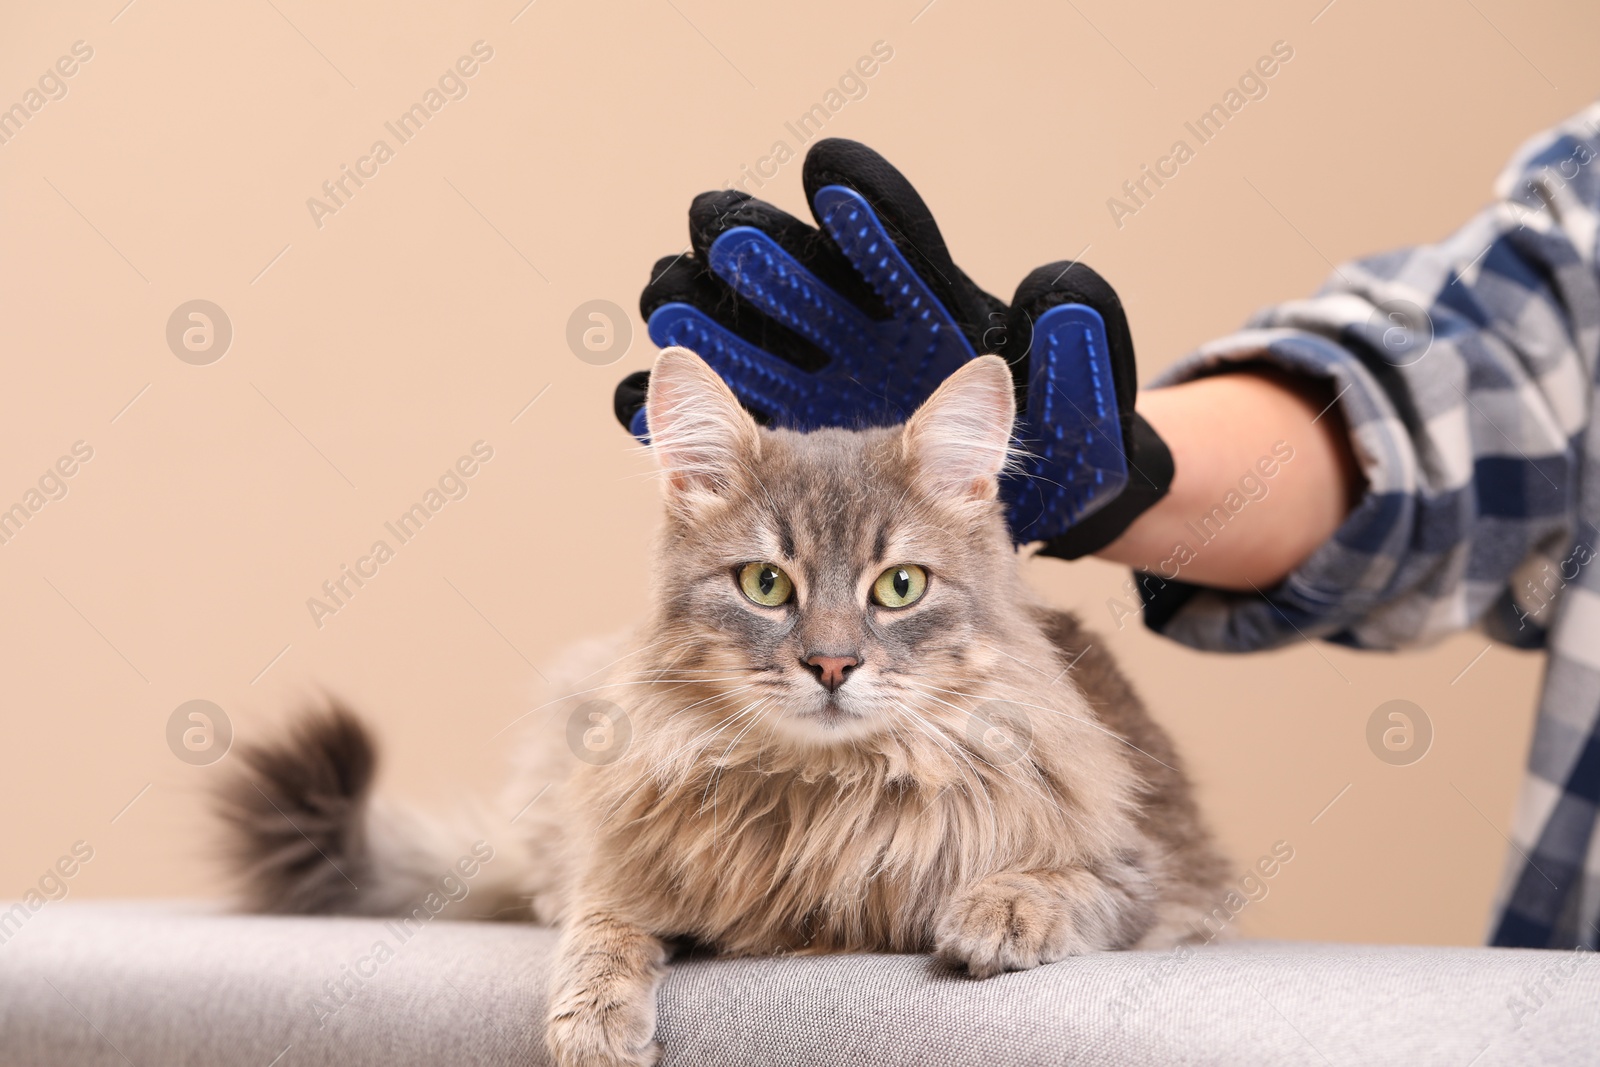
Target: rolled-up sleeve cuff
[1349, 579]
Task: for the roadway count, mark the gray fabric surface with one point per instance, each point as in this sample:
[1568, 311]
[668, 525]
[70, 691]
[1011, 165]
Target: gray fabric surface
[84, 985]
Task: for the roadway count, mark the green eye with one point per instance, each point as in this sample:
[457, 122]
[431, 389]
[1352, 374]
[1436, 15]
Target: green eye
[766, 584]
[900, 586]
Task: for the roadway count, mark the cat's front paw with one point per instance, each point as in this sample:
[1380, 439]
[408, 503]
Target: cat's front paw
[1007, 922]
[603, 1005]
[588, 1034]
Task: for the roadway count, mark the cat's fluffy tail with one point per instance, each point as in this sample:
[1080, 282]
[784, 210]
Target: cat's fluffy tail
[305, 836]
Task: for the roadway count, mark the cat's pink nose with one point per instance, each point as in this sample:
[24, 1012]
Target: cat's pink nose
[831, 670]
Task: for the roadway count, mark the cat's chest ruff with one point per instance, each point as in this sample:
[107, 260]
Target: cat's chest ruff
[767, 864]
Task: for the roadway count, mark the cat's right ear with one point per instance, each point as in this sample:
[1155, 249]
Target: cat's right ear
[960, 438]
[701, 436]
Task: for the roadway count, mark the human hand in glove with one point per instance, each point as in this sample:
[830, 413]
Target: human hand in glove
[857, 320]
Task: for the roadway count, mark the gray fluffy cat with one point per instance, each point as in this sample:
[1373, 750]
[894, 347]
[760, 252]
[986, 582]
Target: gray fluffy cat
[853, 729]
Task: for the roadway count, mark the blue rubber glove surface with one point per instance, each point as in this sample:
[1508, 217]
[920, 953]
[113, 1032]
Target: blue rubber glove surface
[857, 321]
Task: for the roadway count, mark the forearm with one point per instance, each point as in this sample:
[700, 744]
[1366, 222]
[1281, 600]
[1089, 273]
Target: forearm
[1263, 476]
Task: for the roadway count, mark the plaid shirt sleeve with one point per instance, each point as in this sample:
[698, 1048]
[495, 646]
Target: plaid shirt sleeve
[1465, 372]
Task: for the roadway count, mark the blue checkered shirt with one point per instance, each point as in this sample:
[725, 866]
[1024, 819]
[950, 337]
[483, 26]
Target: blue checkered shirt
[1465, 371]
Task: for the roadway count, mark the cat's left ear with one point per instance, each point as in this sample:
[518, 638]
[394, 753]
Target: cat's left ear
[699, 433]
[960, 438]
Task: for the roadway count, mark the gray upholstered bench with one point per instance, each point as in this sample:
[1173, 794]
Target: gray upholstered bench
[86, 984]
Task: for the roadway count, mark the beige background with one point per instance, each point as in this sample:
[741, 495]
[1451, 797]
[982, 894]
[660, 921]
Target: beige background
[427, 313]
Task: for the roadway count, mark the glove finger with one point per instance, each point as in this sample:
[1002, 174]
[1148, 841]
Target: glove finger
[1070, 282]
[908, 223]
[770, 388]
[685, 279]
[628, 403]
[1075, 459]
[713, 214]
[847, 216]
[679, 279]
[761, 271]
[1105, 525]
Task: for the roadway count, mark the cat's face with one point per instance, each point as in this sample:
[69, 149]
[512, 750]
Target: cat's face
[822, 584]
